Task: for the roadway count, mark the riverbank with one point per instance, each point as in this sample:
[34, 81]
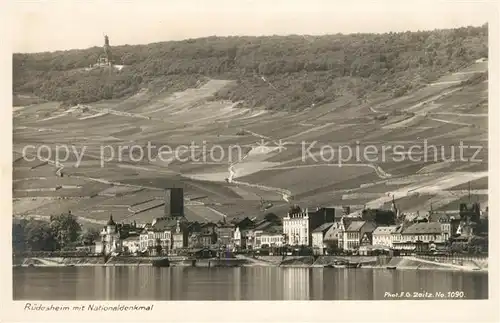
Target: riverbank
[380, 262]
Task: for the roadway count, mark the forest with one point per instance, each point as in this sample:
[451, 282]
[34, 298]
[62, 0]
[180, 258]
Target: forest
[273, 72]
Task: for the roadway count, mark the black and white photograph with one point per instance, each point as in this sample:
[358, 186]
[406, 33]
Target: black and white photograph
[250, 151]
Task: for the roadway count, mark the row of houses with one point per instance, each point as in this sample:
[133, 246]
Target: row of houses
[393, 231]
[324, 229]
[168, 235]
[338, 229]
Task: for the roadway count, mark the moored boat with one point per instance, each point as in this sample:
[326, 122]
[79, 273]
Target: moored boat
[161, 262]
[343, 264]
[353, 265]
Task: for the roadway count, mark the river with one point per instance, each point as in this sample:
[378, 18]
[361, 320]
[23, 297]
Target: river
[245, 283]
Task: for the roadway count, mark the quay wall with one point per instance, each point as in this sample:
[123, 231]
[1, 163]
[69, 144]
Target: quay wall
[271, 259]
[398, 262]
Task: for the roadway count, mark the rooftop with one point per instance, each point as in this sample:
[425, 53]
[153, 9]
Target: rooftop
[208, 225]
[385, 230]
[324, 227]
[274, 230]
[424, 228]
[349, 219]
[131, 238]
[356, 225]
[167, 223]
[333, 232]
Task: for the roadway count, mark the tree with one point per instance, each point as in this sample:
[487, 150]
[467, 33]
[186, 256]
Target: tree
[231, 54]
[40, 237]
[380, 217]
[65, 228]
[89, 236]
[338, 64]
[482, 227]
[18, 236]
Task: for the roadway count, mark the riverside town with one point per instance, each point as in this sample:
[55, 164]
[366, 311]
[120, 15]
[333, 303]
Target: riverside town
[318, 237]
[338, 166]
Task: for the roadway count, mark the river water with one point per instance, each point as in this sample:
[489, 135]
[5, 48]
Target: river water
[245, 283]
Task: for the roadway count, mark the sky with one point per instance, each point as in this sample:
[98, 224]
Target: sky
[62, 24]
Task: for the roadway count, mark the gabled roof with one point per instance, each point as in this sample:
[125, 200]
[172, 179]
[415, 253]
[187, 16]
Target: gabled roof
[323, 228]
[347, 220]
[238, 221]
[424, 228]
[168, 223]
[367, 235]
[333, 232]
[355, 225]
[385, 230]
[164, 224]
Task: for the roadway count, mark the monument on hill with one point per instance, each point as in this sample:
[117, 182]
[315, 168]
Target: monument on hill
[105, 58]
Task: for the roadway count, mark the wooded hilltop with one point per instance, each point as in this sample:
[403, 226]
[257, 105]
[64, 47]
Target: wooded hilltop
[276, 72]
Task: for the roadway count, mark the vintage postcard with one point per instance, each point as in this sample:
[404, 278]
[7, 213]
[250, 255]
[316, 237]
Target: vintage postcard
[165, 152]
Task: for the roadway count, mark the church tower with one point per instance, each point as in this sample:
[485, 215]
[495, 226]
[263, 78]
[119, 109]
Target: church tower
[111, 225]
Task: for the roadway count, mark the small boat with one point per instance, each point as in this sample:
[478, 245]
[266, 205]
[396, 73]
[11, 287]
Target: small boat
[338, 264]
[162, 262]
[353, 265]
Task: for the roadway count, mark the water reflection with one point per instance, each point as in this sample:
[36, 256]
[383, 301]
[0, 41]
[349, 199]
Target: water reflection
[270, 283]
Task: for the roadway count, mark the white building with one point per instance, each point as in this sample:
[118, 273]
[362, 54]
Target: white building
[296, 228]
[333, 237]
[148, 239]
[271, 239]
[110, 239]
[298, 225]
[318, 238]
[237, 237]
[160, 231]
[446, 227]
[131, 244]
[354, 233]
[384, 236]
